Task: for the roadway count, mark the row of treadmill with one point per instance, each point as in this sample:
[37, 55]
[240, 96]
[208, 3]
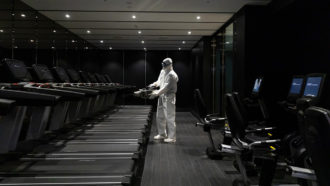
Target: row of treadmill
[293, 148]
[61, 127]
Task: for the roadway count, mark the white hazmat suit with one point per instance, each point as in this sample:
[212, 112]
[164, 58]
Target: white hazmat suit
[167, 82]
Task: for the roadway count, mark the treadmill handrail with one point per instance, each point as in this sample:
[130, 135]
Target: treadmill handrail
[5, 105]
[29, 98]
[65, 94]
[87, 91]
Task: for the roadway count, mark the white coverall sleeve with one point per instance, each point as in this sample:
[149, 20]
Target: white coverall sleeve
[157, 83]
[171, 80]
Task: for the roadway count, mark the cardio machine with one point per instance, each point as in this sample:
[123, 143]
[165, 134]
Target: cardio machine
[94, 162]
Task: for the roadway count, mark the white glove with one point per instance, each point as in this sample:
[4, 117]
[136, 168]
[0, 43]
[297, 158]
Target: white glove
[153, 95]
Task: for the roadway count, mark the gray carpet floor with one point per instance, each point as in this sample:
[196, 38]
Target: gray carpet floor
[185, 162]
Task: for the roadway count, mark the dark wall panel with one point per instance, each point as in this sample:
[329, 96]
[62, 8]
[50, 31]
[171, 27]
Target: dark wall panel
[154, 65]
[183, 68]
[112, 64]
[134, 68]
[134, 71]
[4, 53]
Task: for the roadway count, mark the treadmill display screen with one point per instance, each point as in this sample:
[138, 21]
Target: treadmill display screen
[312, 86]
[296, 85]
[257, 84]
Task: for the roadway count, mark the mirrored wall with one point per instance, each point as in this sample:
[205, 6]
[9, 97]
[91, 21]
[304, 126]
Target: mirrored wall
[27, 35]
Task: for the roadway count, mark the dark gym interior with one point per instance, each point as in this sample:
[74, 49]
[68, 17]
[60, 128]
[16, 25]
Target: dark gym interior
[165, 92]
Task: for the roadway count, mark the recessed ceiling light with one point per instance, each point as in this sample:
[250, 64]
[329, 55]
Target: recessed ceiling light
[110, 48]
[54, 31]
[1, 31]
[183, 42]
[23, 15]
[101, 41]
[73, 41]
[53, 47]
[179, 48]
[145, 49]
[67, 16]
[86, 48]
[134, 16]
[189, 32]
[227, 42]
[142, 42]
[198, 17]
[139, 32]
[88, 31]
[31, 40]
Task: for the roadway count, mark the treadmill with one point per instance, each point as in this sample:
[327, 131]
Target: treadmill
[93, 104]
[11, 123]
[136, 114]
[116, 124]
[131, 136]
[100, 129]
[105, 131]
[103, 167]
[19, 78]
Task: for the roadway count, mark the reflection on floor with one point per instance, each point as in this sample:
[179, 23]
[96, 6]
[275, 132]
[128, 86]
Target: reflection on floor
[185, 162]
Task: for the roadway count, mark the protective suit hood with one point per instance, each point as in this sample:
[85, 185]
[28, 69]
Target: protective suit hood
[166, 63]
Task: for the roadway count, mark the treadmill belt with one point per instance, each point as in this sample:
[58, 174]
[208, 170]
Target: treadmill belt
[64, 180]
[70, 166]
[87, 148]
[105, 151]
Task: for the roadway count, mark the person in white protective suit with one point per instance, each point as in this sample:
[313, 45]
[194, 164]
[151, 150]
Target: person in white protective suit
[167, 83]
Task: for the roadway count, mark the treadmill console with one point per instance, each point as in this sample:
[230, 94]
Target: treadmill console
[61, 74]
[74, 75]
[84, 77]
[107, 77]
[15, 71]
[100, 78]
[43, 73]
[92, 77]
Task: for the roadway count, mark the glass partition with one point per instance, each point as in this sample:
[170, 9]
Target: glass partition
[223, 67]
[228, 58]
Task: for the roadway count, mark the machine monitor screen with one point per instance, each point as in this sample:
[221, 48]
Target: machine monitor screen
[257, 84]
[312, 86]
[296, 85]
